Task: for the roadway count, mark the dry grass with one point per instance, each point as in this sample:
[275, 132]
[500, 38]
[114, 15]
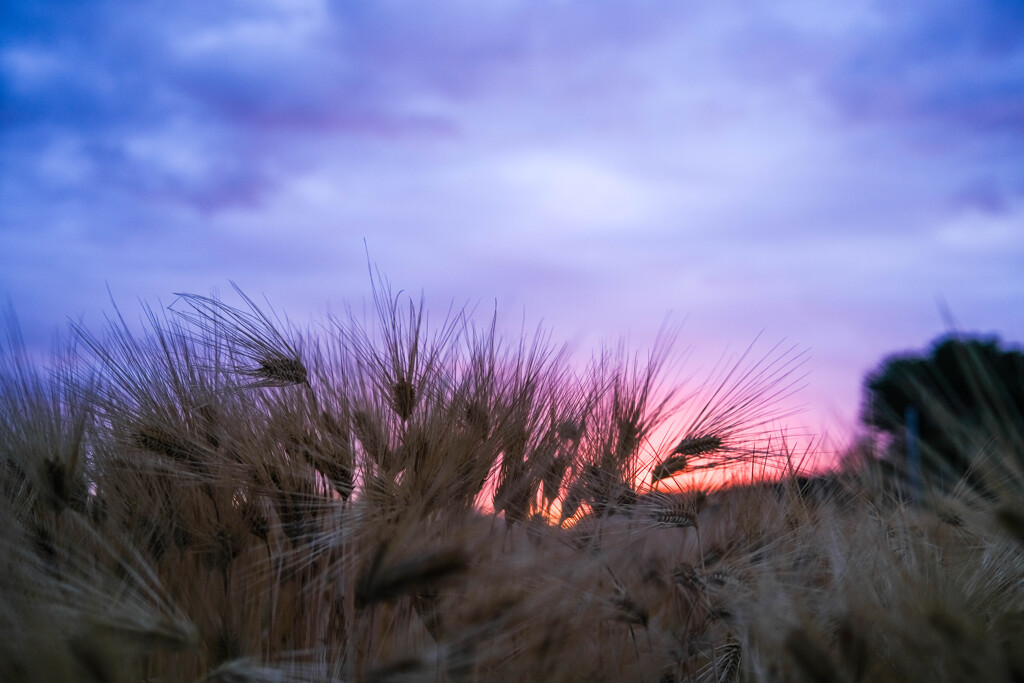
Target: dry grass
[223, 499]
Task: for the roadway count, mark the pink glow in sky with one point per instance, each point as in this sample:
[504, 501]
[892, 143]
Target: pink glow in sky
[833, 174]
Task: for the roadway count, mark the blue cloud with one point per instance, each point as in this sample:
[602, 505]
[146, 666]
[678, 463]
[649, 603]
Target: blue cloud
[606, 161]
[954, 66]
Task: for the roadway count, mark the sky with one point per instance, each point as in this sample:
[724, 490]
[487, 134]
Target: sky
[848, 177]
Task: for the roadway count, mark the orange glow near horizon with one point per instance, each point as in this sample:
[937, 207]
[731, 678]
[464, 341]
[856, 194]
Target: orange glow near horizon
[804, 457]
[792, 450]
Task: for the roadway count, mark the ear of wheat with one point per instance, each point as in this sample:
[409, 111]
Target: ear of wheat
[249, 335]
[392, 517]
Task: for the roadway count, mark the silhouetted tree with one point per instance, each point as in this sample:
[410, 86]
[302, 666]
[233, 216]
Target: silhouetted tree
[946, 406]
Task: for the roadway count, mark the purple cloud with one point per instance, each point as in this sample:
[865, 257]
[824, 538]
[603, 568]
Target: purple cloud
[828, 173]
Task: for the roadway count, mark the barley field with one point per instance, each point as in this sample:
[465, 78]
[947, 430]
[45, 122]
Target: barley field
[223, 498]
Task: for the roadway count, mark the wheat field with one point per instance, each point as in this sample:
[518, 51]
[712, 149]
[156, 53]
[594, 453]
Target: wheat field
[222, 498]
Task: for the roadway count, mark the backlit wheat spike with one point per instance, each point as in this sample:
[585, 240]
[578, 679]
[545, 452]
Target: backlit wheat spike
[573, 500]
[686, 575]
[680, 510]
[403, 398]
[57, 483]
[951, 518]
[693, 446]
[630, 611]
[298, 512]
[676, 518]
[690, 447]
[570, 430]
[669, 468]
[247, 334]
[720, 578]
[226, 546]
[159, 524]
[278, 370]
[255, 516]
[724, 663]
[477, 418]
[552, 476]
[728, 663]
[158, 439]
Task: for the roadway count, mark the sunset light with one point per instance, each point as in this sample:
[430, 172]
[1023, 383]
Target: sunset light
[371, 341]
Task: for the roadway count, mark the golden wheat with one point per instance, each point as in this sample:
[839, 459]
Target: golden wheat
[222, 498]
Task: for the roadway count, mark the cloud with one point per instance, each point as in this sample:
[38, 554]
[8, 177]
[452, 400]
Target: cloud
[944, 65]
[826, 169]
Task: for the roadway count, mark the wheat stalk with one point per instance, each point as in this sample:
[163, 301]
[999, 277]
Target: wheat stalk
[248, 335]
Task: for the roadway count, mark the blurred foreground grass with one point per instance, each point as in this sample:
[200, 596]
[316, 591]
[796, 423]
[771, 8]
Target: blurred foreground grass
[221, 498]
